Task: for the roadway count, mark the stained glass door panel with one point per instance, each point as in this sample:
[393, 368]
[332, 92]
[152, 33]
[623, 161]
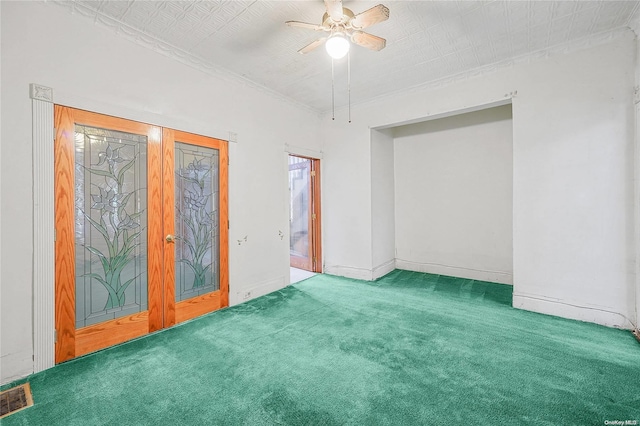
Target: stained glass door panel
[196, 220]
[108, 231]
[196, 228]
[110, 224]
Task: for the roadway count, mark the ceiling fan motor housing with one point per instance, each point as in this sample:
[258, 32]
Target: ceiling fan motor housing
[347, 15]
[341, 21]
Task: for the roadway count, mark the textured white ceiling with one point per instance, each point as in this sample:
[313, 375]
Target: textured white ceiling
[426, 40]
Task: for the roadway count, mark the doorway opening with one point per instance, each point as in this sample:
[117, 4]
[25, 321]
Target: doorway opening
[304, 217]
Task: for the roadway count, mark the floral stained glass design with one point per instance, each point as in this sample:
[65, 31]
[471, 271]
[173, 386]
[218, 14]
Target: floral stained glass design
[197, 231]
[110, 224]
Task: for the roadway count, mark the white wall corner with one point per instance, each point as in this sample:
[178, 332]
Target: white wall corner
[383, 269]
[561, 308]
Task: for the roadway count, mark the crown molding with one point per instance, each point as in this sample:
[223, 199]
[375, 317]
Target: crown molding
[634, 20]
[149, 41]
[634, 26]
[584, 43]
[146, 40]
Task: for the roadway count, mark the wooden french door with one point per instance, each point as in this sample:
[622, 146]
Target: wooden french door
[141, 229]
[304, 213]
[197, 227]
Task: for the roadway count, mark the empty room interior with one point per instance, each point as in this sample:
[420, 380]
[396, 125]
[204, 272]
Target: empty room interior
[320, 212]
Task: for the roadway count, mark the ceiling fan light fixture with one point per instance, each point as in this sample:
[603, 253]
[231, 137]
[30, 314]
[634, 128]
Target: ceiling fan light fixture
[337, 46]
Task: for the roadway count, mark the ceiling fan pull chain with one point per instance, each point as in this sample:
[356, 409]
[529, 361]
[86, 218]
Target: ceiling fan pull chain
[349, 82]
[333, 101]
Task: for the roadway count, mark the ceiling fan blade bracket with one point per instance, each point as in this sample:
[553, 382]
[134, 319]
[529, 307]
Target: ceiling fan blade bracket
[334, 10]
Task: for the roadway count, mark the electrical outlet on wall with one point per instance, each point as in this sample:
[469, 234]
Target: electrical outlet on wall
[246, 295]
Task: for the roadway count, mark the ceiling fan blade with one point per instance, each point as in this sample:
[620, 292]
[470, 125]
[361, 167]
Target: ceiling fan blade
[305, 25]
[334, 10]
[368, 40]
[309, 47]
[369, 17]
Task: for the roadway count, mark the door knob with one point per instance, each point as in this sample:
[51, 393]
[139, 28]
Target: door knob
[171, 238]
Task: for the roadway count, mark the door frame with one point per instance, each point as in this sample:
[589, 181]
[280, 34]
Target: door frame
[315, 216]
[316, 229]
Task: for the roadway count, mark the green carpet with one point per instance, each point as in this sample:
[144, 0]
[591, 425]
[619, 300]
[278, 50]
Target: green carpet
[410, 348]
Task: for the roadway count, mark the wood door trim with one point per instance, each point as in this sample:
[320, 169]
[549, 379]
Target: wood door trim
[200, 305]
[155, 239]
[207, 141]
[317, 223]
[112, 123]
[169, 226]
[310, 219]
[64, 211]
[224, 222]
[108, 333]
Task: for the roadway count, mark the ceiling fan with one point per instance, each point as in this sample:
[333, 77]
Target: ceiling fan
[341, 23]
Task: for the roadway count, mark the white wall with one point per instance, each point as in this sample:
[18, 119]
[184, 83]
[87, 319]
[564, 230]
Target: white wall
[1, 199]
[637, 178]
[573, 245]
[346, 199]
[454, 195]
[383, 237]
[91, 67]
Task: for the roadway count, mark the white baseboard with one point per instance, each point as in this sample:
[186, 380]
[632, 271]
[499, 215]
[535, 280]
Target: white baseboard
[256, 290]
[559, 308]
[15, 366]
[349, 272]
[455, 271]
[384, 269]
